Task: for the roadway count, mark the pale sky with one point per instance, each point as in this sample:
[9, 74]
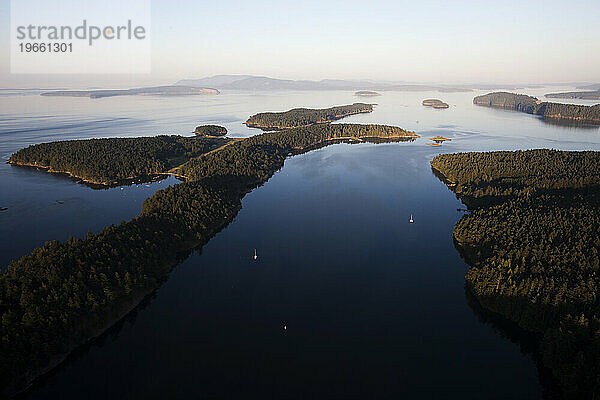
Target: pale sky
[413, 41]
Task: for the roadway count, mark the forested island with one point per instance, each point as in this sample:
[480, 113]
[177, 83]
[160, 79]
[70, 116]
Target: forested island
[154, 90]
[531, 105]
[298, 117]
[65, 293]
[584, 95]
[210, 130]
[435, 103]
[532, 242]
[114, 161]
[366, 93]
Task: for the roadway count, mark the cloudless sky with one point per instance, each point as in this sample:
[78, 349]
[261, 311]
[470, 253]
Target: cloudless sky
[413, 41]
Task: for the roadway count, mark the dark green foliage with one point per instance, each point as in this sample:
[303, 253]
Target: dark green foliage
[531, 105]
[512, 173]
[532, 241]
[575, 112]
[63, 293]
[512, 101]
[210, 130]
[305, 116]
[109, 161]
[258, 155]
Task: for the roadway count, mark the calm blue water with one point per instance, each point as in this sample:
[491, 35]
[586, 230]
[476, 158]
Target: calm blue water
[374, 306]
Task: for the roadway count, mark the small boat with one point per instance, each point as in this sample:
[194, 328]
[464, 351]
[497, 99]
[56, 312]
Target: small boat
[255, 255]
[411, 219]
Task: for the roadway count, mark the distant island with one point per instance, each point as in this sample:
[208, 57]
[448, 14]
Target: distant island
[115, 161]
[531, 105]
[585, 95]
[531, 240]
[64, 293]
[454, 89]
[298, 117]
[210, 130]
[435, 103]
[440, 139]
[155, 90]
[366, 93]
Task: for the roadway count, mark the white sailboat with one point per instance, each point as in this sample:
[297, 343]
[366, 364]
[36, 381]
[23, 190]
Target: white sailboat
[411, 219]
[255, 255]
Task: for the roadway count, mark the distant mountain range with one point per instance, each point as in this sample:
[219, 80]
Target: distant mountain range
[212, 85]
[595, 86]
[583, 95]
[249, 82]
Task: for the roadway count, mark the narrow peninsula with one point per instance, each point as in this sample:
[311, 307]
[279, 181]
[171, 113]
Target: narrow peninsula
[115, 161]
[299, 117]
[64, 293]
[532, 105]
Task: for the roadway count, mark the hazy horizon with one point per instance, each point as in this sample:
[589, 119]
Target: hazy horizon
[85, 82]
[381, 199]
[459, 42]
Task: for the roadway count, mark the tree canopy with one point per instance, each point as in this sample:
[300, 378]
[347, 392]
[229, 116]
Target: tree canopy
[532, 241]
[114, 160]
[298, 117]
[210, 130]
[63, 293]
[531, 105]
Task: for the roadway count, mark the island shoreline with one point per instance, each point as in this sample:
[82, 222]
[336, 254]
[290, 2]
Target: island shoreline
[230, 193]
[153, 177]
